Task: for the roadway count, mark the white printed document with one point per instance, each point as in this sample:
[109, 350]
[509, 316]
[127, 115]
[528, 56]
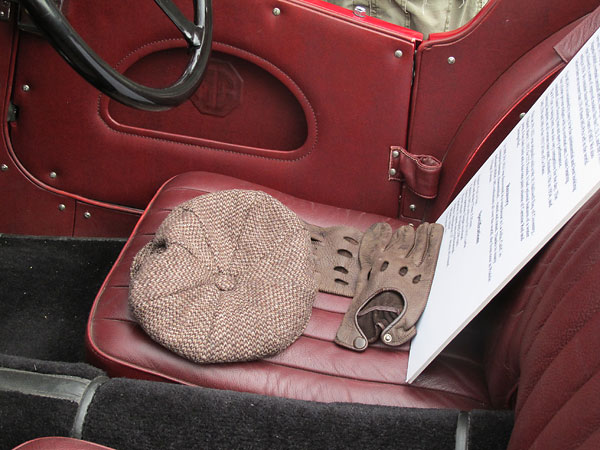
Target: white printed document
[543, 172]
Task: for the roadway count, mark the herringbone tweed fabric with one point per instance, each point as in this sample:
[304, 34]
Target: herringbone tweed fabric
[228, 277]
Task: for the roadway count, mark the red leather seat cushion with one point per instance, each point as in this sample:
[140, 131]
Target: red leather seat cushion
[313, 368]
[59, 443]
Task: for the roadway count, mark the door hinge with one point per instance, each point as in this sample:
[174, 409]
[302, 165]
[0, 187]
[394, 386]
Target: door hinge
[12, 114]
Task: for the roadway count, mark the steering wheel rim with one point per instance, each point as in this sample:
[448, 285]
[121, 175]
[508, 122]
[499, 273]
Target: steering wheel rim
[95, 70]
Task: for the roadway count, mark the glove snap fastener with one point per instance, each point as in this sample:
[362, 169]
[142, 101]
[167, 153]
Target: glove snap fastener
[360, 343]
[387, 338]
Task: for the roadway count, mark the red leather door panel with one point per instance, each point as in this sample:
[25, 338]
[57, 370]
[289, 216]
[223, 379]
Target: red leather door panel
[323, 96]
[469, 81]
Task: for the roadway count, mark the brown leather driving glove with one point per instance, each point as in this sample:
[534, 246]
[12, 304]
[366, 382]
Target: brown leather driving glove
[336, 258]
[396, 272]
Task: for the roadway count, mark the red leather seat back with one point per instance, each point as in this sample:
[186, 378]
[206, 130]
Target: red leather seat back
[544, 356]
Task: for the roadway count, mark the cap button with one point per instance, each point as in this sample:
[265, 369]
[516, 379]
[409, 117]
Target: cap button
[225, 282]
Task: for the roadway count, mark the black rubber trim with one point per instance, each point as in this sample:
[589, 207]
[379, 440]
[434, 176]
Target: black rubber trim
[84, 404]
[462, 431]
[61, 387]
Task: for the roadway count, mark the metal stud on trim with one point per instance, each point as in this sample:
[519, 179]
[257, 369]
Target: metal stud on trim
[398, 53]
[4, 167]
[360, 11]
[451, 60]
[87, 214]
[521, 115]
[395, 153]
[61, 207]
[276, 11]
[53, 175]
[25, 88]
[412, 207]
[392, 172]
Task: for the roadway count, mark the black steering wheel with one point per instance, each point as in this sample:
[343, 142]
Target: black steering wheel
[96, 71]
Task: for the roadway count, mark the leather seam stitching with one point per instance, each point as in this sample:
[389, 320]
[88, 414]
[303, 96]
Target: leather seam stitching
[204, 147]
[114, 360]
[554, 355]
[546, 273]
[266, 361]
[563, 404]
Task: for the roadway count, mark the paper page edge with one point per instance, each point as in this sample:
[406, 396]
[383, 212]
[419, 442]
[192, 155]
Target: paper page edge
[410, 378]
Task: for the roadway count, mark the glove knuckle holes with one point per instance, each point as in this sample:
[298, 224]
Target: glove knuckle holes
[384, 266]
[341, 269]
[351, 240]
[403, 271]
[344, 252]
[416, 279]
[342, 282]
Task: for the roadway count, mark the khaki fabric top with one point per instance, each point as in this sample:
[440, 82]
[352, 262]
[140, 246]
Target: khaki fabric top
[425, 16]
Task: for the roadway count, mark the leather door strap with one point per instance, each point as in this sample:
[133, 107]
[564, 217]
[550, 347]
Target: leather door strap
[421, 173]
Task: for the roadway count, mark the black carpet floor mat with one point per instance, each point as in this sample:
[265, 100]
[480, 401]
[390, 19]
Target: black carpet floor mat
[48, 286]
[154, 416]
[145, 415]
[26, 416]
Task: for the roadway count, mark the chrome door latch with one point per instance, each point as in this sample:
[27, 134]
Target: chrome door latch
[6, 9]
[12, 113]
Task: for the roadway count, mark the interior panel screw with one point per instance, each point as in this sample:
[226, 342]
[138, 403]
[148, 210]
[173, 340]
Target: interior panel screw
[4, 167]
[25, 88]
[53, 175]
[398, 53]
[395, 153]
[276, 11]
[451, 60]
[521, 115]
[87, 214]
[413, 207]
[392, 172]
[61, 207]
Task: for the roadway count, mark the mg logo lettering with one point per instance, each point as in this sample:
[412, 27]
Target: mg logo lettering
[221, 90]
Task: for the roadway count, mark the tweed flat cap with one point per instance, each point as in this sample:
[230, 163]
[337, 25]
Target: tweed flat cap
[229, 276]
